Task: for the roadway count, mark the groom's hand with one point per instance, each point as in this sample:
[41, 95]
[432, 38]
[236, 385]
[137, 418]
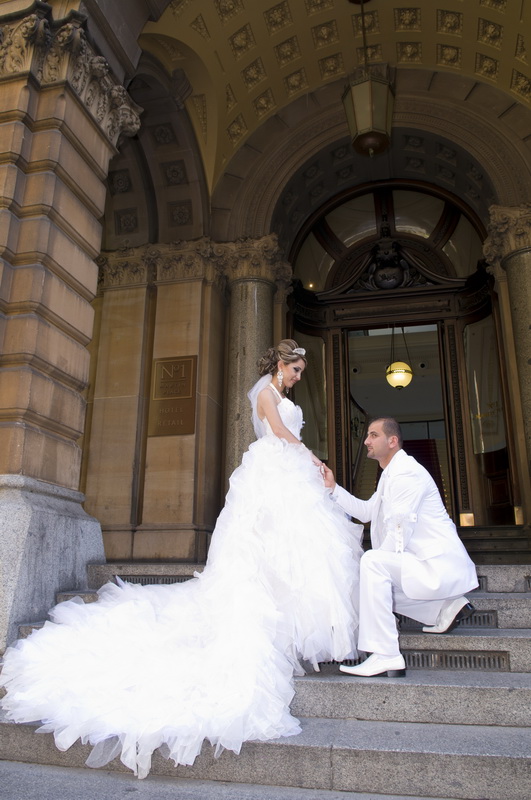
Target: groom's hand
[329, 480]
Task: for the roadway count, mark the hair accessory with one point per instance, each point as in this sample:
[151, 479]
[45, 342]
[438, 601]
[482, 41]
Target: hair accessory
[300, 351]
[280, 378]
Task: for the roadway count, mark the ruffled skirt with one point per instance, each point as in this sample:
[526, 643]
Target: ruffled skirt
[167, 667]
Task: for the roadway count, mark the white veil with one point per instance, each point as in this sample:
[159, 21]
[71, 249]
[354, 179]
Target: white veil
[258, 425]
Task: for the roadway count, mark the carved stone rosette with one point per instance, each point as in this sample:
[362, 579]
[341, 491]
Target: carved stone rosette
[59, 52]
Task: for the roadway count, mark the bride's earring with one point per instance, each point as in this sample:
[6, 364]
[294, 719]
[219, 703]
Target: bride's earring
[280, 378]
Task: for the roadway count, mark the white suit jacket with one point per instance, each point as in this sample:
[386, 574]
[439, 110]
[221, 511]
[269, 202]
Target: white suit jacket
[407, 516]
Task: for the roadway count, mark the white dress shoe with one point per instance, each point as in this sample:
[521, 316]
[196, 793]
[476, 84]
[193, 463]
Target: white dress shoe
[378, 666]
[451, 615]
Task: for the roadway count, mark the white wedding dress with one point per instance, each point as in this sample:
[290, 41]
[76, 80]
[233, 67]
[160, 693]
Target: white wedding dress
[149, 667]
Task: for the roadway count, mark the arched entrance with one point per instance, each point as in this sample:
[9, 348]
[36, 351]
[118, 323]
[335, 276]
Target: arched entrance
[398, 264]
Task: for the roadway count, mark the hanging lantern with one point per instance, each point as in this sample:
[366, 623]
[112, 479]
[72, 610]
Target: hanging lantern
[368, 101]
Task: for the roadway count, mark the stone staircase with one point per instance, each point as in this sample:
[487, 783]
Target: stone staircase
[456, 727]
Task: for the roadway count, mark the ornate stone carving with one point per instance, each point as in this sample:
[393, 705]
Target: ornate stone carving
[315, 6]
[178, 6]
[509, 230]
[120, 181]
[253, 259]
[407, 19]
[287, 51]
[448, 56]
[20, 40]
[264, 103]
[371, 54]
[486, 66]
[123, 268]
[199, 26]
[242, 41]
[490, 33]
[332, 65]
[277, 17]
[237, 129]
[230, 100]
[254, 74]
[296, 82]
[54, 53]
[521, 51]
[409, 52]
[228, 9]
[499, 5]
[450, 22]
[325, 34]
[161, 263]
[174, 173]
[180, 214]
[521, 84]
[126, 221]
[372, 23]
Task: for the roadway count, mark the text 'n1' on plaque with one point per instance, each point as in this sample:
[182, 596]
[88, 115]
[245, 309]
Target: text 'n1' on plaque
[172, 403]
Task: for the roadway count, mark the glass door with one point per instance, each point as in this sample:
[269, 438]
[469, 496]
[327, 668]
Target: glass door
[418, 407]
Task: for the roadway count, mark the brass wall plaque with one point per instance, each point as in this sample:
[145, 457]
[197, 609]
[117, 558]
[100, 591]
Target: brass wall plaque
[172, 402]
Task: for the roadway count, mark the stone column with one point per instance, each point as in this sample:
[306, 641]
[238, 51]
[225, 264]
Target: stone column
[508, 251]
[253, 267]
[62, 114]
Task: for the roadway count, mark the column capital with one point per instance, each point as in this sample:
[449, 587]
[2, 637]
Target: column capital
[509, 232]
[253, 259]
[56, 52]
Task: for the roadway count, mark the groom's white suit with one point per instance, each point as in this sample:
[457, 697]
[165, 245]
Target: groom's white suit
[417, 562]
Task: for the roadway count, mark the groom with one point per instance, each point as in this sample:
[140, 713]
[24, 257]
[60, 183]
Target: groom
[418, 566]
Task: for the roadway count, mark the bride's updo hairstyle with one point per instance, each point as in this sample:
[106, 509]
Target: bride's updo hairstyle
[287, 351]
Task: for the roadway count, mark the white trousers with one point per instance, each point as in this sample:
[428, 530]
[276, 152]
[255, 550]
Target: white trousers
[380, 595]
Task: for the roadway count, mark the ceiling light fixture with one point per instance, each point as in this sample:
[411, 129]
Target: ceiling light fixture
[368, 101]
[398, 374]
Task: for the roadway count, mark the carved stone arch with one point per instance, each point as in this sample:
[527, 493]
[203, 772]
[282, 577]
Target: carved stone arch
[246, 196]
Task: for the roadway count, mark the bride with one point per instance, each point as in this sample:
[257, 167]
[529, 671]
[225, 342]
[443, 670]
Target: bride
[167, 667]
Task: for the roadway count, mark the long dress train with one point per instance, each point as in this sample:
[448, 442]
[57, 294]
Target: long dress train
[167, 667]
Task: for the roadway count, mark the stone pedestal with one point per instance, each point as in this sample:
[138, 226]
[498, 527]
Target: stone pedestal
[46, 542]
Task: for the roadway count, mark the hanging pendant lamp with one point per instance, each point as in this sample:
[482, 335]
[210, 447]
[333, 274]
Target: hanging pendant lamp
[368, 101]
[398, 374]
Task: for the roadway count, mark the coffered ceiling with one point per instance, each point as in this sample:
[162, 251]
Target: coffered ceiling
[247, 60]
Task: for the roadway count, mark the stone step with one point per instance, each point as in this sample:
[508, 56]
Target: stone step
[456, 697]
[430, 760]
[492, 577]
[488, 649]
[494, 649]
[35, 782]
[87, 596]
[493, 610]
[142, 572]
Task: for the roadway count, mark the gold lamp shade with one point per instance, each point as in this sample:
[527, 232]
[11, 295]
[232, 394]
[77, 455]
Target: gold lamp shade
[399, 374]
[368, 101]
